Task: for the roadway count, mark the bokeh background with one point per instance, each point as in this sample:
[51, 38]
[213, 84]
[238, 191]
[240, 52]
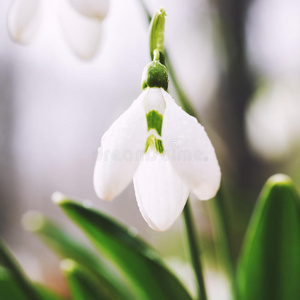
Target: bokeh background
[239, 63]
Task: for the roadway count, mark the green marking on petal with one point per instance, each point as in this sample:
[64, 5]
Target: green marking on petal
[159, 145]
[154, 121]
[152, 141]
[149, 142]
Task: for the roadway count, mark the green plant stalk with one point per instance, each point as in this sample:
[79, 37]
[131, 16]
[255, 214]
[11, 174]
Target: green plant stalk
[182, 97]
[194, 250]
[221, 227]
[220, 223]
[11, 264]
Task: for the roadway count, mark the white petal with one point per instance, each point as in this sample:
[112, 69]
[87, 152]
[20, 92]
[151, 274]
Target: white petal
[190, 150]
[81, 33]
[122, 147]
[91, 8]
[160, 193]
[154, 100]
[23, 20]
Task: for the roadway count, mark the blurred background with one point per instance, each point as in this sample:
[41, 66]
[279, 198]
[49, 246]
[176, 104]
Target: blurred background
[238, 61]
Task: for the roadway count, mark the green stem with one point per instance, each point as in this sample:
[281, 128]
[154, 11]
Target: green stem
[220, 218]
[221, 229]
[194, 251]
[182, 97]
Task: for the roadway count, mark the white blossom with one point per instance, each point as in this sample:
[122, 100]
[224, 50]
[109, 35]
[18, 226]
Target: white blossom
[166, 152]
[81, 22]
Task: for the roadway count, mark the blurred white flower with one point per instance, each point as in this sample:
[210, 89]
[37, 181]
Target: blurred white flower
[272, 119]
[23, 19]
[91, 8]
[273, 38]
[81, 23]
[166, 152]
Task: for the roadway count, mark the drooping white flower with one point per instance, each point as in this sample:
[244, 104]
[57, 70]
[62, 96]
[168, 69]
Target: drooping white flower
[83, 33]
[166, 152]
[81, 21]
[272, 119]
[23, 20]
[91, 8]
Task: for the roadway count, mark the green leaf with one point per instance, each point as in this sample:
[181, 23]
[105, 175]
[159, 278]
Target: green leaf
[140, 265]
[10, 290]
[8, 261]
[270, 262]
[83, 285]
[46, 293]
[67, 247]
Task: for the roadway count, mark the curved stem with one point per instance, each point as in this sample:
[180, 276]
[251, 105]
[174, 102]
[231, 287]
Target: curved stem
[221, 226]
[194, 250]
[183, 99]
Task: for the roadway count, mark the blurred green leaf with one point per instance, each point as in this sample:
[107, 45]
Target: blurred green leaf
[83, 285]
[140, 265]
[9, 262]
[270, 262]
[46, 293]
[67, 247]
[10, 290]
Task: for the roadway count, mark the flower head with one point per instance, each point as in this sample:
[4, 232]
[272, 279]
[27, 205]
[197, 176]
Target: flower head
[166, 152]
[81, 21]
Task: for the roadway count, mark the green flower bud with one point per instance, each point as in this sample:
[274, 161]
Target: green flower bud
[155, 74]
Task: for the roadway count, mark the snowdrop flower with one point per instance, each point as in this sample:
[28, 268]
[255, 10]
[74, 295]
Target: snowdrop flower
[272, 119]
[165, 150]
[81, 22]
